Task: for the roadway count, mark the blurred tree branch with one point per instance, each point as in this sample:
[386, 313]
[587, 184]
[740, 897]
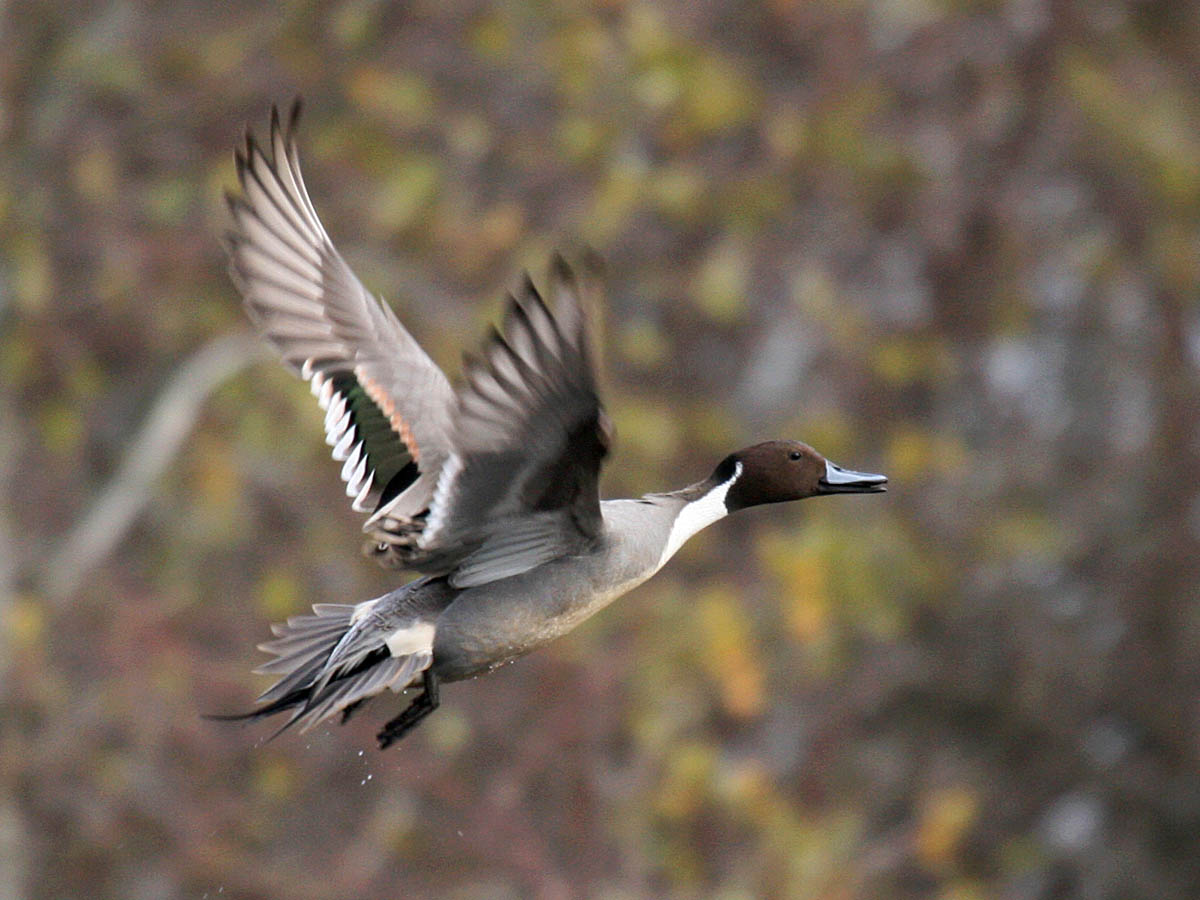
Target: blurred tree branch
[8, 556]
[14, 870]
[150, 451]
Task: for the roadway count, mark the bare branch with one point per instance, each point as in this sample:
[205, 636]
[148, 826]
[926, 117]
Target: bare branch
[154, 446]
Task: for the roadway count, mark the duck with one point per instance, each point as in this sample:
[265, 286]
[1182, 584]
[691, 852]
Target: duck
[488, 492]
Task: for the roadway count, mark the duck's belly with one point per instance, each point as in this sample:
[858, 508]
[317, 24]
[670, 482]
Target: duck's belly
[495, 623]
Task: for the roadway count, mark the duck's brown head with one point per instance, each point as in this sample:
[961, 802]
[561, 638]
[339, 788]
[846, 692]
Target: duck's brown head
[778, 471]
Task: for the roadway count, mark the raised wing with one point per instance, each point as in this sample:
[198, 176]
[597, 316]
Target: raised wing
[387, 404]
[520, 487]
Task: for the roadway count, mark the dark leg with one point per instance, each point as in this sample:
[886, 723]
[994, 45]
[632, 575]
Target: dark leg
[426, 703]
[350, 710]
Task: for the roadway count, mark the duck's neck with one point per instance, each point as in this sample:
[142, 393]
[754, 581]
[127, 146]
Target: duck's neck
[704, 503]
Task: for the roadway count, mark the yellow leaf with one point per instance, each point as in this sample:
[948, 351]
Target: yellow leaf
[648, 429]
[730, 653]
[908, 456]
[218, 485]
[273, 777]
[643, 343]
[24, 622]
[686, 782]
[804, 570]
[809, 615]
[945, 817]
[502, 226]
[62, 427]
[719, 96]
[492, 37]
[615, 200]
[406, 193]
[400, 97]
[914, 455]
[279, 594]
[720, 283]
[33, 278]
[579, 138]
[680, 191]
[17, 358]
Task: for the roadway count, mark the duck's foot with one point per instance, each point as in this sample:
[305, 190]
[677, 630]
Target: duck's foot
[422, 706]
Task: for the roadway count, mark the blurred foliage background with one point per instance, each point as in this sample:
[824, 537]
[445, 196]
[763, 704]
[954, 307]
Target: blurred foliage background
[952, 241]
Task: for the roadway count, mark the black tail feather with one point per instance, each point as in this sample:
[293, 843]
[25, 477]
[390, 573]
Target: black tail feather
[298, 697]
[302, 699]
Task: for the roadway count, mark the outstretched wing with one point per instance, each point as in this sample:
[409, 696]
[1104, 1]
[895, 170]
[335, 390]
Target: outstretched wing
[387, 405]
[520, 486]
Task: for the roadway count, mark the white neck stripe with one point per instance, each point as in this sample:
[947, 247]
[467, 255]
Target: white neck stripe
[698, 514]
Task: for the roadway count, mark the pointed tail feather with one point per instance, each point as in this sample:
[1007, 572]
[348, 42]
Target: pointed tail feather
[328, 663]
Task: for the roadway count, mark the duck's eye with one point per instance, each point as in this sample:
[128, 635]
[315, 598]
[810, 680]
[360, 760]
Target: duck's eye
[795, 454]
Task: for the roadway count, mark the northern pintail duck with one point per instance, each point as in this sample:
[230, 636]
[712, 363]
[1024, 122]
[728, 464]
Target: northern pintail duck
[489, 491]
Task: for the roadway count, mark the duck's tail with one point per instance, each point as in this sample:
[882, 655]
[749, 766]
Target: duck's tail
[334, 661]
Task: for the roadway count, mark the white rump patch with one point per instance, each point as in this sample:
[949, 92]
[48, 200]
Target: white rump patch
[411, 639]
[698, 514]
